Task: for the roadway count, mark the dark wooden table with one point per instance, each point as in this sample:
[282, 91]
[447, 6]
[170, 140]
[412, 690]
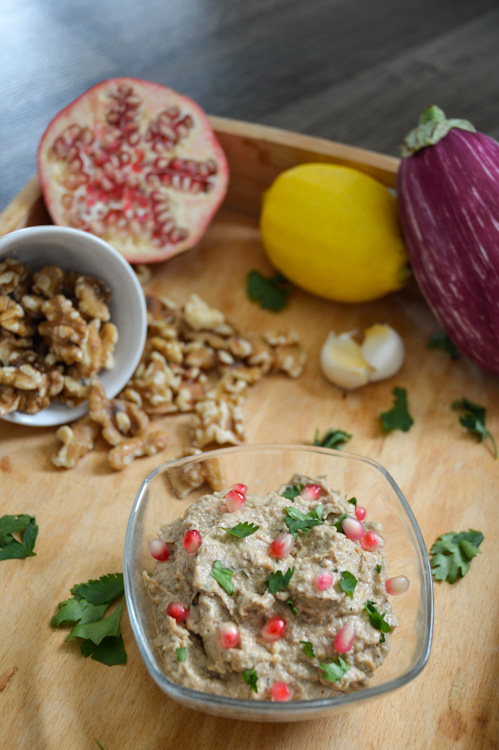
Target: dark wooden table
[355, 71]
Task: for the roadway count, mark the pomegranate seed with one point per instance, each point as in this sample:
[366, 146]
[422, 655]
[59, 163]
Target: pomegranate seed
[371, 541]
[192, 541]
[353, 529]
[240, 488]
[281, 692]
[283, 545]
[311, 492]
[234, 500]
[397, 585]
[344, 639]
[178, 611]
[274, 629]
[360, 512]
[159, 550]
[228, 635]
[323, 580]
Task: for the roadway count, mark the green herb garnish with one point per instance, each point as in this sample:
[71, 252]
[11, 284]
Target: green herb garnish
[12, 548]
[440, 340]
[242, 529]
[334, 671]
[102, 591]
[348, 583]
[292, 607]
[309, 649]
[251, 678]
[474, 421]
[379, 568]
[453, 553]
[223, 576]
[272, 293]
[338, 523]
[398, 418]
[291, 492]
[332, 439]
[278, 581]
[382, 639]
[297, 521]
[182, 653]
[377, 618]
[353, 500]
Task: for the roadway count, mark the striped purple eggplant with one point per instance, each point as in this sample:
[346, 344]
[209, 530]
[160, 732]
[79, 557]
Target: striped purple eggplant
[448, 192]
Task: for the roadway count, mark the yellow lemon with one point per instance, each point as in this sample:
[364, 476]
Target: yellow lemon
[334, 231]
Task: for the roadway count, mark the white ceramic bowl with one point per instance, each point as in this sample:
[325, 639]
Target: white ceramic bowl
[71, 249]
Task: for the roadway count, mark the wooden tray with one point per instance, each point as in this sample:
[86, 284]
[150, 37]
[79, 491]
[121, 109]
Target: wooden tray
[53, 698]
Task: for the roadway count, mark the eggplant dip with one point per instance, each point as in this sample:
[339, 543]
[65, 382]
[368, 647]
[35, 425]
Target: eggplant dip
[276, 598]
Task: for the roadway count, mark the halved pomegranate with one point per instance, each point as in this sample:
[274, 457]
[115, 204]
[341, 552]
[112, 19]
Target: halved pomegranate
[135, 163]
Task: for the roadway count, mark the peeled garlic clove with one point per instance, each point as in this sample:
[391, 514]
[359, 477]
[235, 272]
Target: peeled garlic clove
[342, 362]
[383, 349]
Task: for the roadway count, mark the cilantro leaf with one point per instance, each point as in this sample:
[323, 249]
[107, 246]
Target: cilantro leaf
[10, 524]
[440, 340]
[75, 610]
[377, 618]
[378, 568]
[348, 583]
[474, 421]
[309, 649]
[242, 529]
[182, 653]
[338, 523]
[251, 678]
[297, 521]
[110, 651]
[398, 418]
[291, 492]
[10, 547]
[353, 500]
[334, 671]
[102, 591]
[332, 439]
[292, 607]
[223, 576]
[98, 630]
[272, 293]
[453, 553]
[278, 581]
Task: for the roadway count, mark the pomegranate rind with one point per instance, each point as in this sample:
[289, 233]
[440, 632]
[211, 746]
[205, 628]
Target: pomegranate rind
[136, 229]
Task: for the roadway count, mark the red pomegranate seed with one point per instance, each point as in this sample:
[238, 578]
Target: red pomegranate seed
[323, 580]
[371, 541]
[274, 629]
[192, 541]
[283, 545]
[353, 529]
[240, 488]
[311, 492]
[344, 639]
[360, 512]
[397, 585]
[228, 635]
[281, 692]
[159, 550]
[234, 500]
[178, 611]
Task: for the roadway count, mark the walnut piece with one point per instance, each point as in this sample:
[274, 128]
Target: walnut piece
[218, 421]
[118, 419]
[142, 445]
[12, 317]
[9, 400]
[48, 281]
[12, 274]
[65, 330]
[78, 440]
[93, 297]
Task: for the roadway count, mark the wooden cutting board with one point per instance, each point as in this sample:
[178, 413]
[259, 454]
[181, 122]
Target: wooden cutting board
[51, 697]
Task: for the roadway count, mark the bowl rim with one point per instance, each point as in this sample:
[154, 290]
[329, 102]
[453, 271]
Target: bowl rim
[268, 708]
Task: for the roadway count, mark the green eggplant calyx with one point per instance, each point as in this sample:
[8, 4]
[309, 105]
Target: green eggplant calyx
[433, 126]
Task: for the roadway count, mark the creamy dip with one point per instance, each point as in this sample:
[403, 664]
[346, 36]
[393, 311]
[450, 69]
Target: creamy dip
[313, 616]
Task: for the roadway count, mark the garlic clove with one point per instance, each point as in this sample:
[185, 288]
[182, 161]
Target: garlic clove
[342, 362]
[383, 349]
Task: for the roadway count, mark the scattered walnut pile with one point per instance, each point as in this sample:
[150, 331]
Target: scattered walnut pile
[55, 336]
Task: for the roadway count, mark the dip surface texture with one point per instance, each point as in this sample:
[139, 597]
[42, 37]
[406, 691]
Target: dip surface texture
[311, 615]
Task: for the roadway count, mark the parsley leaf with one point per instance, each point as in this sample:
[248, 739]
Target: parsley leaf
[348, 583]
[452, 554]
[101, 591]
[10, 547]
[110, 651]
[73, 611]
[223, 576]
[334, 671]
[440, 340]
[251, 678]
[242, 529]
[272, 294]
[98, 630]
[353, 500]
[292, 607]
[398, 418]
[377, 618]
[297, 521]
[291, 492]
[474, 421]
[182, 653]
[309, 649]
[278, 581]
[332, 439]
[338, 523]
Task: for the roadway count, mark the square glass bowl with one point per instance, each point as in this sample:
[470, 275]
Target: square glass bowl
[264, 468]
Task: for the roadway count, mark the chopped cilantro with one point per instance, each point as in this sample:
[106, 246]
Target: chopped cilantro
[377, 618]
[251, 678]
[242, 529]
[223, 576]
[309, 649]
[398, 418]
[332, 439]
[182, 653]
[12, 548]
[292, 607]
[382, 639]
[453, 553]
[338, 523]
[334, 671]
[353, 500]
[291, 492]
[379, 568]
[278, 581]
[474, 421]
[348, 583]
[272, 293]
[297, 521]
[440, 340]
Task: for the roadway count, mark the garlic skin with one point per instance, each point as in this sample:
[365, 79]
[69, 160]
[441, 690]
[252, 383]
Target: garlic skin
[342, 362]
[384, 350]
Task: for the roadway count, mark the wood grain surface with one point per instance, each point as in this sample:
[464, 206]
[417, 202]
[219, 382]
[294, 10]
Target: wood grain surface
[52, 698]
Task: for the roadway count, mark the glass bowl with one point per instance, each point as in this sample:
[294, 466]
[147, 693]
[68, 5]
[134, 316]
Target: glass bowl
[264, 468]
